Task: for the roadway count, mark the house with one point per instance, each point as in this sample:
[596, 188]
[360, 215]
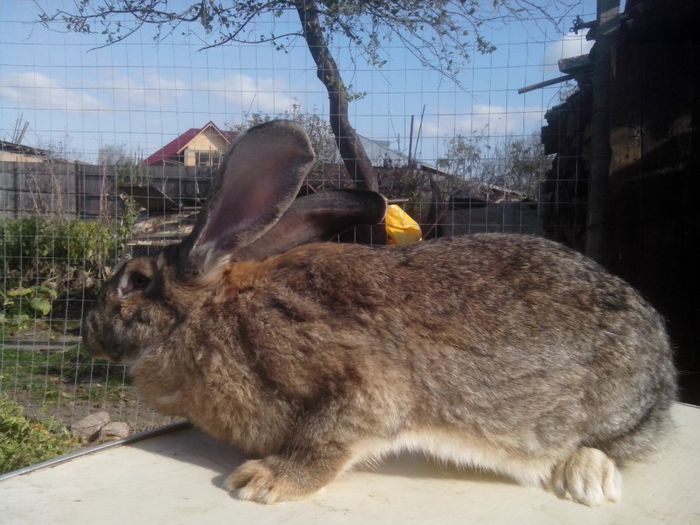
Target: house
[13, 152]
[203, 146]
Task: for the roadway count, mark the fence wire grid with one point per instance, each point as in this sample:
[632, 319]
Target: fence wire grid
[110, 150]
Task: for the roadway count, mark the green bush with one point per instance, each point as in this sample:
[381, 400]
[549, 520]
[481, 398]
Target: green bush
[20, 305]
[36, 247]
[24, 442]
[42, 259]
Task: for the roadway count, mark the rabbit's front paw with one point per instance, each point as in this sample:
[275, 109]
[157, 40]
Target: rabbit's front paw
[270, 480]
[589, 477]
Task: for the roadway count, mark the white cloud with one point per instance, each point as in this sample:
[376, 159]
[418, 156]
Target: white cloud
[251, 94]
[484, 119]
[570, 45]
[117, 91]
[37, 91]
[150, 91]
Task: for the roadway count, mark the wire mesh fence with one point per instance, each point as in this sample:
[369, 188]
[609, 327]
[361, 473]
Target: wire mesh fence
[110, 150]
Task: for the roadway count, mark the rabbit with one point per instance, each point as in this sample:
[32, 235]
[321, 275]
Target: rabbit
[496, 351]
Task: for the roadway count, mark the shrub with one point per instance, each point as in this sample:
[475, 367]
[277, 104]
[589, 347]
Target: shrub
[40, 248]
[24, 442]
[42, 259]
[20, 305]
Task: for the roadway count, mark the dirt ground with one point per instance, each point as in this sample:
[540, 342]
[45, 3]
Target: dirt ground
[45, 370]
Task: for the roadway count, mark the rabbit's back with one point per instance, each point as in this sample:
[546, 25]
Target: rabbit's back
[554, 343]
[466, 328]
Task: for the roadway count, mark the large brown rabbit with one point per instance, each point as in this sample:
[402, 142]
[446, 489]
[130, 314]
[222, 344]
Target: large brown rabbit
[503, 352]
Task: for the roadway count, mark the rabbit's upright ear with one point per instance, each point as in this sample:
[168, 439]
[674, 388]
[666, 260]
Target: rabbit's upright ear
[262, 175]
[316, 218]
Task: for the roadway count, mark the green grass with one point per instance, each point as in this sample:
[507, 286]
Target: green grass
[24, 442]
[51, 383]
[47, 376]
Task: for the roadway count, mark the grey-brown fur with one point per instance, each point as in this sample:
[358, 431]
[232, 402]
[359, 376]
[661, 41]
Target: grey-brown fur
[517, 345]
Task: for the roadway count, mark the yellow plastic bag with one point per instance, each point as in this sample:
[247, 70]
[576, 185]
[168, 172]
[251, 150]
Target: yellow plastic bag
[400, 227]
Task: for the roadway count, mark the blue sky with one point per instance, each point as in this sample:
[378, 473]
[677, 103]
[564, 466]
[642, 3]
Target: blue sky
[141, 94]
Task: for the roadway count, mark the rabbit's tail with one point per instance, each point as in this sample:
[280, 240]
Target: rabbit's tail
[646, 436]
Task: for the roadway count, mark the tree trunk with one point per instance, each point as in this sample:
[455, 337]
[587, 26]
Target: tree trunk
[351, 151]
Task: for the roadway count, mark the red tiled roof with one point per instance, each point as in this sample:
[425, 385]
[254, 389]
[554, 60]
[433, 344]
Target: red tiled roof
[168, 153]
[230, 135]
[170, 150]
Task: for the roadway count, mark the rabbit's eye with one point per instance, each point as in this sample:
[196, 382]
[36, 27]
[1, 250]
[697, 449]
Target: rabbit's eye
[138, 281]
[133, 281]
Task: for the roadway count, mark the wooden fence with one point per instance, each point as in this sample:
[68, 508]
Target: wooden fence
[66, 189]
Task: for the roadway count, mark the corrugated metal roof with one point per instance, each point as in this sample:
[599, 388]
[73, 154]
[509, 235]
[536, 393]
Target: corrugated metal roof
[382, 156]
[21, 148]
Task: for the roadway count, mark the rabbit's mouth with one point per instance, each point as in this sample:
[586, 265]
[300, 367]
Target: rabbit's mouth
[95, 344]
[97, 349]
[111, 354]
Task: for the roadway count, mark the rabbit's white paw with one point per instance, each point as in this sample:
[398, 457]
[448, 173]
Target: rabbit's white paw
[588, 476]
[255, 480]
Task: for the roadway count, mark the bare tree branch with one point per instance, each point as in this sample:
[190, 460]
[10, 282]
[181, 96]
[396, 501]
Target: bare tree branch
[441, 34]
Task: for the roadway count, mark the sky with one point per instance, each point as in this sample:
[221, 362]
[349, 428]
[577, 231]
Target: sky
[141, 94]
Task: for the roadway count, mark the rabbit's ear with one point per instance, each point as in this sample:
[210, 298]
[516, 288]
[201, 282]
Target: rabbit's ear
[317, 218]
[262, 175]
